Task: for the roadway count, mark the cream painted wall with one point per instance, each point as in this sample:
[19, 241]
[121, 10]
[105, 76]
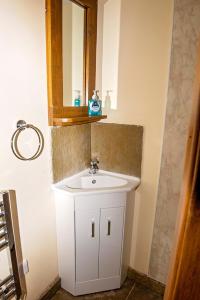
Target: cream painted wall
[23, 95]
[143, 71]
[4, 264]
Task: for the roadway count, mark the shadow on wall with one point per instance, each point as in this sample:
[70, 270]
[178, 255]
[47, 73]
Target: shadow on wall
[109, 39]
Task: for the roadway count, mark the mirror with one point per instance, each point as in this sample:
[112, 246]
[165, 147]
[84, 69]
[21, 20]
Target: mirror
[71, 31]
[73, 20]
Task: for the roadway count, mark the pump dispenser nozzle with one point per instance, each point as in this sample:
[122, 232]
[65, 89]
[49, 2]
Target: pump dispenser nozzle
[78, 93]
[95, 95]
[77, 101]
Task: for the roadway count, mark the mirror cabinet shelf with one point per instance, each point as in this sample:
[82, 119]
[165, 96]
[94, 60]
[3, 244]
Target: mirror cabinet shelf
[70, 116]
[76, 120]
[71, 34]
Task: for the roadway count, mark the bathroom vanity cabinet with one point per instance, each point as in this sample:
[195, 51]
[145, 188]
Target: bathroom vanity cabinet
[93, 249]
[99, 234]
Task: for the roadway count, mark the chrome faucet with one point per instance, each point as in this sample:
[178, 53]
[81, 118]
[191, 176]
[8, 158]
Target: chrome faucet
[94, 168]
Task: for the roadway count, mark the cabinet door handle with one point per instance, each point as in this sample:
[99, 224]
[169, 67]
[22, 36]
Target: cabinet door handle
[109, 227]
[93, 229]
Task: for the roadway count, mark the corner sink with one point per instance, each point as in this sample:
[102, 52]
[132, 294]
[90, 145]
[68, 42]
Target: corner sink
[92, 214]
[95, 182]
[84, 182]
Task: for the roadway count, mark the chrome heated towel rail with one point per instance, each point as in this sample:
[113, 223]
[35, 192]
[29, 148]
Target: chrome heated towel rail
[10, 286]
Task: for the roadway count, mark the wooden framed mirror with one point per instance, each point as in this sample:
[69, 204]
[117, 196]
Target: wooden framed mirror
[71, 34]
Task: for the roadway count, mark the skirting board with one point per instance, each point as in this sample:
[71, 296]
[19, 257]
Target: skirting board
[52, 290]
[146, 281]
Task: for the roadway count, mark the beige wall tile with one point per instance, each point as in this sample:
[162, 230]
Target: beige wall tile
[118, 147]
[70, 150]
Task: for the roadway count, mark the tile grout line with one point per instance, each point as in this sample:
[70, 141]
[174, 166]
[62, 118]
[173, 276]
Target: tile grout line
[130, 291]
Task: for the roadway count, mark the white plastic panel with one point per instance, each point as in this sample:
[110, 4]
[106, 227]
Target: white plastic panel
[65, 239]
[87, 244]
[100, 201]
[111, 236]
[97, 285]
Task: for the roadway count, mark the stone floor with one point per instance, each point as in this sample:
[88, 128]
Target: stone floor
[129, 291]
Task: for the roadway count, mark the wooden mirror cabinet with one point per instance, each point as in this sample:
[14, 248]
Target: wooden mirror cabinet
[60, 115]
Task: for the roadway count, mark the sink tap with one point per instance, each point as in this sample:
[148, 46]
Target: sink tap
[94, 168]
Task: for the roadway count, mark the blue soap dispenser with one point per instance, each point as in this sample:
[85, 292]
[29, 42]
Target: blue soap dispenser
[77, 100]
[95, 105]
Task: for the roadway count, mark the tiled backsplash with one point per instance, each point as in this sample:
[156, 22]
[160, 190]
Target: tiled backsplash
[118, 147]
[70, 150]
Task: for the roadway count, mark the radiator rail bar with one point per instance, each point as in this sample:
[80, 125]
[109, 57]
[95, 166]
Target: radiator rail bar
[10, 286]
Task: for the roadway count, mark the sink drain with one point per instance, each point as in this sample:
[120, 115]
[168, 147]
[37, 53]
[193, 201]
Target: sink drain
[94, 181]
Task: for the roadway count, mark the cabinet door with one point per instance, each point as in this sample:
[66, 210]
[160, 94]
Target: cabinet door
[111, 235]
[87, 244]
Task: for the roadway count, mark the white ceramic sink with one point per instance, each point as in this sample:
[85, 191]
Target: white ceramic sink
[95, 182]
[92, 213]
[83, 182]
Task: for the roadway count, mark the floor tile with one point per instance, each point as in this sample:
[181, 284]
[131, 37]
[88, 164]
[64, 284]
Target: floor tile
[120, 294]
[141, 293]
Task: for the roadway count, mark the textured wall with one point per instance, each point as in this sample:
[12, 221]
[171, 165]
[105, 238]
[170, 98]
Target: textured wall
[118, 147]
[186, 34]
[70, 150]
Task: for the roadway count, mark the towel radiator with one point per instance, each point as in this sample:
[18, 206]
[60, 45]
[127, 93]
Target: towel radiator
[13, 286]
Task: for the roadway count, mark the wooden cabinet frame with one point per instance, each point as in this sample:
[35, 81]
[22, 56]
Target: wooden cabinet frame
[59, 114]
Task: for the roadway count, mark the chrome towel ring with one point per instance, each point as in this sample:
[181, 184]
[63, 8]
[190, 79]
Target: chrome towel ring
[21, 125]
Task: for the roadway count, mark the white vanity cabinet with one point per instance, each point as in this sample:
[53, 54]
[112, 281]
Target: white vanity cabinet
[93, 237]
[99, 235]
[90, 232]
[111, 237]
